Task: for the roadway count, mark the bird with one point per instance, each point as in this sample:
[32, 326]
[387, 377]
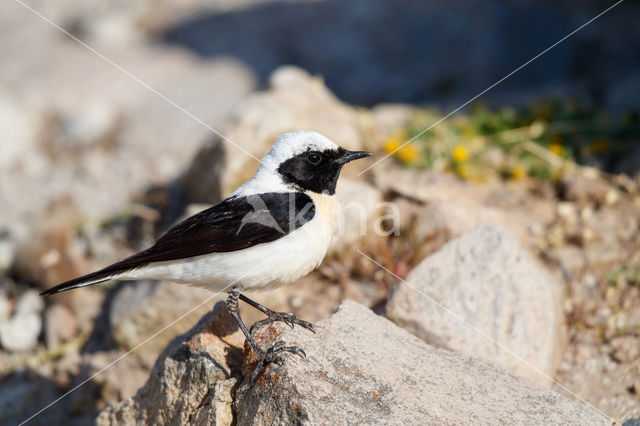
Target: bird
[274, 229]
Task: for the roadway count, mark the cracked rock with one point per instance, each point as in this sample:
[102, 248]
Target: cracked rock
[193, 381]
[363, 369]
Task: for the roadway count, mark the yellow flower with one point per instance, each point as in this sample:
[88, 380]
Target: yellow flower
[391, 145]
[395, 141]
[518, 172]
[557, 149]
[409, 153]
[460, 154]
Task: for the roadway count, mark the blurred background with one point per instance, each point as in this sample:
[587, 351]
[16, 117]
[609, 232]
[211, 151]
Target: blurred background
[113, 131]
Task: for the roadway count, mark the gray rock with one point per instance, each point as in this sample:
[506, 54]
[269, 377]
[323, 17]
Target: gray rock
[22, 394]
[362, 369]
[139, 309]
[498, 301]
[193, 381]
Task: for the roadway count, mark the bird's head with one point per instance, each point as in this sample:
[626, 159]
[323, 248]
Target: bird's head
[309, 161]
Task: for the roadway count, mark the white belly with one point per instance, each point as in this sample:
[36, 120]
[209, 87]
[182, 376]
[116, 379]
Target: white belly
[260, 267]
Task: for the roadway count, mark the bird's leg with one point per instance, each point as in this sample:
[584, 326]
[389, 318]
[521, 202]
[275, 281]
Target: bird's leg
[273, 316]
[274, 353]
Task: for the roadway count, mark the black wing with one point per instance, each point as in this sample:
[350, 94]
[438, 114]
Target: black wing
[235, 224]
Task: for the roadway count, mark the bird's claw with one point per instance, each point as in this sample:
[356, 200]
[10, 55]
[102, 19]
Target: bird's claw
[274, 355]
[285, 317]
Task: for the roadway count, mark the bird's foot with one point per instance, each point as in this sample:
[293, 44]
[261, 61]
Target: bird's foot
[274, 355]
[285, 317]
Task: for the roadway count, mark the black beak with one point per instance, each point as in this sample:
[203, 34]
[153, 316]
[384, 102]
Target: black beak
[351, 155]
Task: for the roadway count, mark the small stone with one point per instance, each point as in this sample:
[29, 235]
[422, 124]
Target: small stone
[60, 325]
[585, 189]
[21, 332]
[29, 302]
[93, 123]
[566, 210]
[625, 349]
[586, 236]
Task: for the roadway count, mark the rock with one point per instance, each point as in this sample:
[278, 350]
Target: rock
[115, 376]
[150, 140]
[193, 381]
[60, 325]
[569, 258]
[454, 218]
[625, 349]
[140, 309]
[86, 306]
[7, 251]
[49, 255]
[391, 117]
[484, 295]
[361, 206]
[427, 186]
[362, 369]
[91, 124]
[18, 128]
[21, 332]
[582, 189]
[201, 183]
[295, 101]
[29, 303]
[5, 307]
[22, 394]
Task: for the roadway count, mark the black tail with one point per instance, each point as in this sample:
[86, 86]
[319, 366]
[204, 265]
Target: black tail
[110, 272]
[87, 280]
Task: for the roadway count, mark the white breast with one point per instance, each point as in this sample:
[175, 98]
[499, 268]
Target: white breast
[263, 266]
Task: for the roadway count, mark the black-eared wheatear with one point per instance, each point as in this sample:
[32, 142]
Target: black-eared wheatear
[287, 214]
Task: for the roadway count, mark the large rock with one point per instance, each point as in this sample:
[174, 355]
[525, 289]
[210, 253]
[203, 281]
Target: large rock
[362, 369]
[452, 206]
[361, 208]
[484, 295]
[139, 309]
[192, 381]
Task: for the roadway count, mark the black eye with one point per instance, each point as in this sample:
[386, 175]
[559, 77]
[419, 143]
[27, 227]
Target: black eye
[314, 158]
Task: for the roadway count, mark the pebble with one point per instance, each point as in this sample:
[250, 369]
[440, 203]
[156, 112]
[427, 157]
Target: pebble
[21, 332]
[60, 325]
